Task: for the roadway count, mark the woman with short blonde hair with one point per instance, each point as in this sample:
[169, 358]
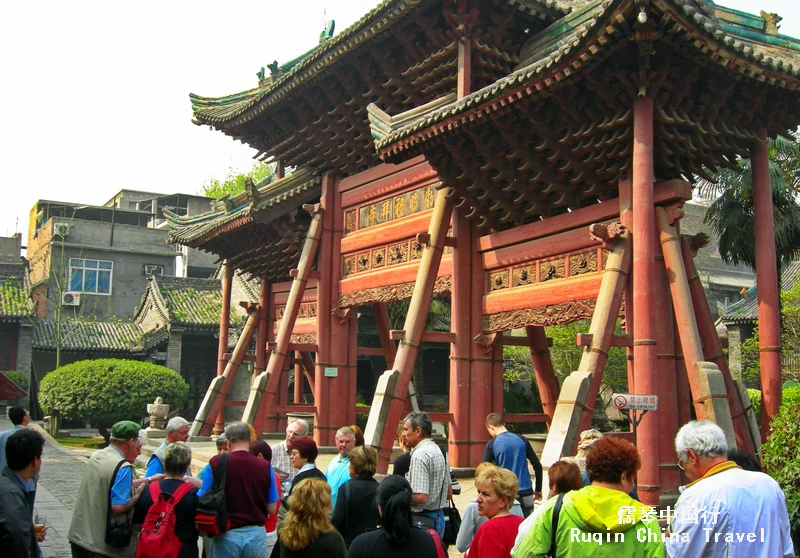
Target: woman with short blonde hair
[307, 531]
[497, 490]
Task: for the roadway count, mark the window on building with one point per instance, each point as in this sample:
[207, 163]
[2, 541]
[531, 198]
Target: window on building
[90, 276]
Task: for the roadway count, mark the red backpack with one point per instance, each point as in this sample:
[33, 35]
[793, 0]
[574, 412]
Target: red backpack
[158, 539]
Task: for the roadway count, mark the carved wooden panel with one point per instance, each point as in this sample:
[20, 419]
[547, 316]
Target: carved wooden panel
[362, 263]
[525, 275]
[398, 253]
[349, 222]
[391, 293]
[585, 262]
[378, 258]
[552, 269]
[498, 281]
[308, 310]
[416, 250]
[349, 266]
[555, 314]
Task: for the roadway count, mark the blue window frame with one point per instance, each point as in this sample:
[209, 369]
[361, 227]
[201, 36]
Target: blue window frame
[90, 276]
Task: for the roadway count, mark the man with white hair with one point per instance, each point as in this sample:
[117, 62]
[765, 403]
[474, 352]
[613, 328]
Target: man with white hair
[724, 510]
[281, 452]
[338, 471]
[177, 431]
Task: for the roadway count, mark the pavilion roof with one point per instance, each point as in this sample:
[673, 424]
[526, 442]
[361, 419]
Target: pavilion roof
[400, 54]
[555, 134]
[15, 300]
[746, 310]
[259, 231]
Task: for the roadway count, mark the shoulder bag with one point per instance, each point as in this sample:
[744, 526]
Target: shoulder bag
[118, 533]
[212, 510]
[554, 531]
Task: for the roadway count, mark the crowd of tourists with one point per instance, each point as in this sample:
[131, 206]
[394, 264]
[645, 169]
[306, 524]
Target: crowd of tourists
[257, 500]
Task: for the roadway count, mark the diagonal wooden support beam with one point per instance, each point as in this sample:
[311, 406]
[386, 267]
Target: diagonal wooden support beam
[214, 401]
[388, 403]
[712, 347]
[546, 379]
[265, 385]
[710, 398]
[579, 390]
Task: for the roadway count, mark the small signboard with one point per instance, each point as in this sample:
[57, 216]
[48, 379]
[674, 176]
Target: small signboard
[636, 402]
[331, 372]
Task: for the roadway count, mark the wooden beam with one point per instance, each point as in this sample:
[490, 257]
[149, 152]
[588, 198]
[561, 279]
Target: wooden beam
[372, 351]
[427, 336]
[625, 340]
[311, 275]
[513, 341]
[526, 417]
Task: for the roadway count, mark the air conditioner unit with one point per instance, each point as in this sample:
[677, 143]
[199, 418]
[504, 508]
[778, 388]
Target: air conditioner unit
[60, 229]
[71, 299]
[153, 269]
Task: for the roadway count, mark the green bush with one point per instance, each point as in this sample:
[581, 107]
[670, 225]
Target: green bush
[781, 459]
[791, 395]
[18, 378]
[105, 391]
[755, 399]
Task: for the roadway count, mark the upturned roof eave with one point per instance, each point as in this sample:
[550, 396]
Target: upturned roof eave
[520, 83]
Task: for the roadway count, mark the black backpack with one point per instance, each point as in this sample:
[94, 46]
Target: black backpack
[212, 510]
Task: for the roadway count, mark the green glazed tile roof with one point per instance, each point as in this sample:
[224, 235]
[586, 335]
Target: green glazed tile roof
[15, 301]
[565, 39]
[183, 301]
[274, 199]
[746, 310]
[89, 336]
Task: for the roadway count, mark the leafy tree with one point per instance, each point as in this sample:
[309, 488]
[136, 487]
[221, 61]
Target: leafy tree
[781, 459]
[18, 378]
[234, 183]
[732, 214]
[105, 391]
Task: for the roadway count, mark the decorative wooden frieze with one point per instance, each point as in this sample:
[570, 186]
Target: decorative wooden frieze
[525, 275]
[498, 280]
[362, 262]
[383, 211]
[349, 221]
[303, 339]
[308, 310]
[552, 269]
[390, 293]
[585, 262]
[398, 253]
[279, 312]
[378, 258]
[349, 266]
[555, 314]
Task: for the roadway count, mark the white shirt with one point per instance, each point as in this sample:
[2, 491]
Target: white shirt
[734, 513]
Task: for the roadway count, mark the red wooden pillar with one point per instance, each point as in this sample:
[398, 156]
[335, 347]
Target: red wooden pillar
[644, 320]
[480, 404]
[461, 390]
[769, 318]
[224, 325]
[497, 379]
[332, 392]
[626, 218]
[667, 390]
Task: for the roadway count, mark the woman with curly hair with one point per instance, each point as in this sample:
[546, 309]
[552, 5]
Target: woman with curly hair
[599, 520]
[307, 532]
[497, 490]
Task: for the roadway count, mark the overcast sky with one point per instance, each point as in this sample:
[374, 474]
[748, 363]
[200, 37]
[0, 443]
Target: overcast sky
[95, 93]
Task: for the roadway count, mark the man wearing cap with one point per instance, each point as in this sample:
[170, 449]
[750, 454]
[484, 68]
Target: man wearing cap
[108, 493]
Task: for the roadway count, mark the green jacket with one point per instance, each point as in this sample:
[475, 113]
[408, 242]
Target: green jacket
[590, 525]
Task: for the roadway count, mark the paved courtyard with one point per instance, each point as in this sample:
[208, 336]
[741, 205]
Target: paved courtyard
[62, 471]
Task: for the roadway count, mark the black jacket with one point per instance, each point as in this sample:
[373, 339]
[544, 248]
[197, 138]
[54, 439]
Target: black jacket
[17, 537]
[356, 509]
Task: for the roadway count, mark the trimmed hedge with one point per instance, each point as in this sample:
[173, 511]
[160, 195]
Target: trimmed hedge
[109, 390]
[781, 457]
[755, 399]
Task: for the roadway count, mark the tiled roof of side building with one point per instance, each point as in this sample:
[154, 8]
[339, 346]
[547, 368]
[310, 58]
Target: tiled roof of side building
[15, 301]
[86, 335]
[553, 47]
[746, 310]
[182, 301]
